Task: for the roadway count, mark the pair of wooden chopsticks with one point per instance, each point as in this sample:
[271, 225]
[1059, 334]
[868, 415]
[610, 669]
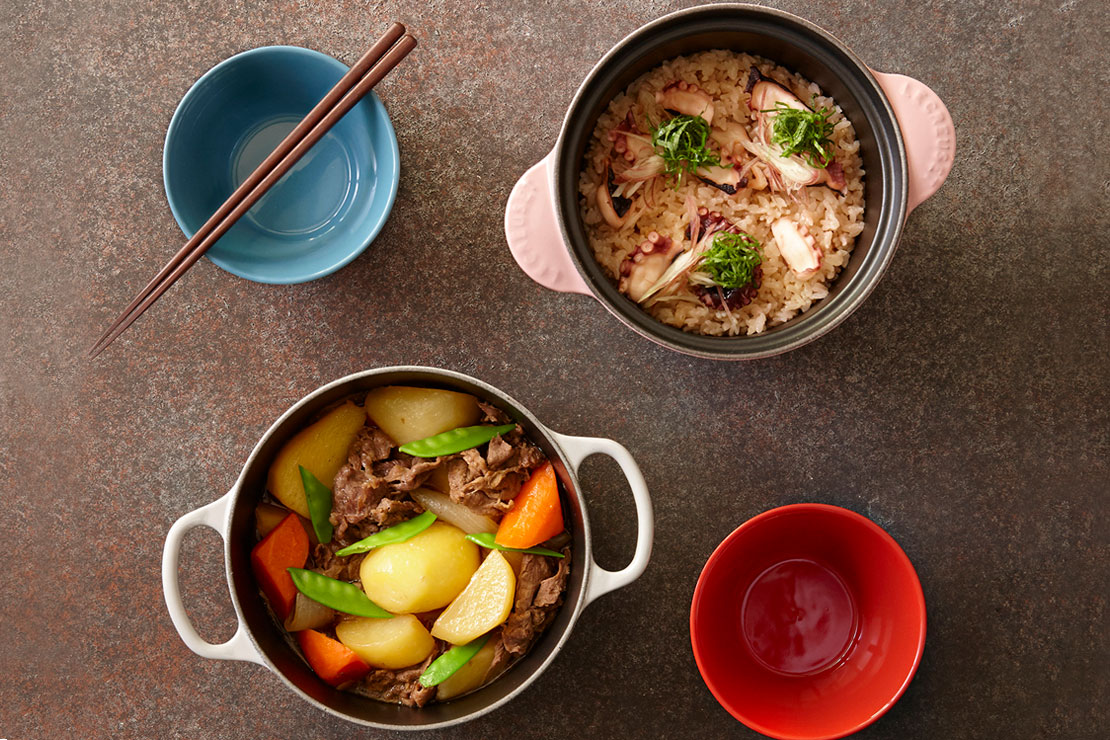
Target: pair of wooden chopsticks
[368, 71]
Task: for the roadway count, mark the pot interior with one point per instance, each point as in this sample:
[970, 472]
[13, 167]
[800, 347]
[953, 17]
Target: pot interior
[278, 649]
[801, 48]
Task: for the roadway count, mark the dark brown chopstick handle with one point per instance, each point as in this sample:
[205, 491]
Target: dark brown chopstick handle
[390, 60]
[314, 116]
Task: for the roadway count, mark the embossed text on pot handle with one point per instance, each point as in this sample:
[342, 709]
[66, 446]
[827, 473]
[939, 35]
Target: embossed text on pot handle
[239, 647]
[927, 130]
[600, 581]
[533, 233]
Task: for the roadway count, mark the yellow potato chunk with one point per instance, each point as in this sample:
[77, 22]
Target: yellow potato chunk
[408, 414]
[421, 574]
[320, 447]
[469, 677]
[484, 603]
[387, 643]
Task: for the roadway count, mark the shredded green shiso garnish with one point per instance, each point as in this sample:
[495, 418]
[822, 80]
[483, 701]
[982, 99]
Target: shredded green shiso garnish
[731, 260]
[803, 132]
[682, 142]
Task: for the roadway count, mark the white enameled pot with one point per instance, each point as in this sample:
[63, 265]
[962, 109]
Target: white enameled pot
[259, 639]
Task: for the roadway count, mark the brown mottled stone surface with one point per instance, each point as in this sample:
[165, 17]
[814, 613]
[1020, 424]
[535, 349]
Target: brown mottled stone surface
[964, 407]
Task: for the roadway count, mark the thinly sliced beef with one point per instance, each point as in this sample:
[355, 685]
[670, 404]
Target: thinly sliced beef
[491, 414]
[370, 490]
[539, 593]
[341, 568]
[401, 686]
[488, 485]
[500, 452]
[550, 592]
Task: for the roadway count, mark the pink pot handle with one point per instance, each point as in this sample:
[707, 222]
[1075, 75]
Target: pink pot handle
[927, 130]
[534, 236]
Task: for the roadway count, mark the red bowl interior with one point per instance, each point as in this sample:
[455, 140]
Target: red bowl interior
[808, 622]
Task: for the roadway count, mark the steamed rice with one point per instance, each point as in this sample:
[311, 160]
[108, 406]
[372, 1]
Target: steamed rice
[834, 219]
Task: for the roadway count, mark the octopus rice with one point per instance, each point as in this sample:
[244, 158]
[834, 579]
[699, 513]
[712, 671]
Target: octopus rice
[824, 214]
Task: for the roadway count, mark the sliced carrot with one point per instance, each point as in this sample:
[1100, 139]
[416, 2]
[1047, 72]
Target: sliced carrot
[333, 661]
[536, 514]
[286, 546]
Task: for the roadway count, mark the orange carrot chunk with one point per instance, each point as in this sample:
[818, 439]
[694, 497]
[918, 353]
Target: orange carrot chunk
[333, 661]
[286, 546]
[536, 514]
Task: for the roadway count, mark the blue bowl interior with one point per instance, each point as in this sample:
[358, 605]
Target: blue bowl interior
[324, 211]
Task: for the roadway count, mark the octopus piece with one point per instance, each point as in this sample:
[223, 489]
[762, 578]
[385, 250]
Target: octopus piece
[646, 264]
[833, 177]
[720, 298]
[789, 172]
[629, 141]
[731, 138]
[756, 179]
[725, 179]
[710, 222]
[797, 246]
[765, 95]
[633, 148]
[614, 209]
[682, 97]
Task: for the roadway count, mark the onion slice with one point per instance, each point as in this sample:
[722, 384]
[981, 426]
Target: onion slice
[453, 512]
[308, 615]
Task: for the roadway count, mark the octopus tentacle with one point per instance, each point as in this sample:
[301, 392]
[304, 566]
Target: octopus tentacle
[734, 298]
[718, 298]
[765, 95]
[797, 246]
[646, 264]
[614, 209]
[689, 99]
[633, 148]
[711, 222]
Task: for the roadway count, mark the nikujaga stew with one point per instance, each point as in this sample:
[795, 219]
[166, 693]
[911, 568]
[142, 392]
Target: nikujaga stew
[412, 543]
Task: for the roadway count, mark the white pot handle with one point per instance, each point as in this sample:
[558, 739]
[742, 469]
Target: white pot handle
[239, 647]
[601, 581]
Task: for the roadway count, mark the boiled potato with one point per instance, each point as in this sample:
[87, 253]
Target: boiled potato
[408, 414]
[470, 676]
[321, 448]
[420, 574]
[484, 603]
[387, 643]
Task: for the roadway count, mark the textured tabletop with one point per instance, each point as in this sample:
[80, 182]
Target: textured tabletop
[964, 407]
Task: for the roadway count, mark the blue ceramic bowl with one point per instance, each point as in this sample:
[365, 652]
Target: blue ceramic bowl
[324, 211]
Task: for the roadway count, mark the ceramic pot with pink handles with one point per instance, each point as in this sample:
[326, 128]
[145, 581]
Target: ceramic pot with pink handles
[907, 142]
[259, 639]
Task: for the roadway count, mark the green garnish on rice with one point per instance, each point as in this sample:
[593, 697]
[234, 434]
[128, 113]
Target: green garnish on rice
[806, 133]
[683, 143]
[731, 260]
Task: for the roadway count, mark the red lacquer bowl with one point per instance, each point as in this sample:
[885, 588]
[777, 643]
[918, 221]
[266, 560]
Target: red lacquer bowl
[808, 622]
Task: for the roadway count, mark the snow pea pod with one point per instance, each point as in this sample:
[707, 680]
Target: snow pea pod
[445, 665]
[339, 595]
[391, 535]
[456, 440]
[318, 498]
[486, 540]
